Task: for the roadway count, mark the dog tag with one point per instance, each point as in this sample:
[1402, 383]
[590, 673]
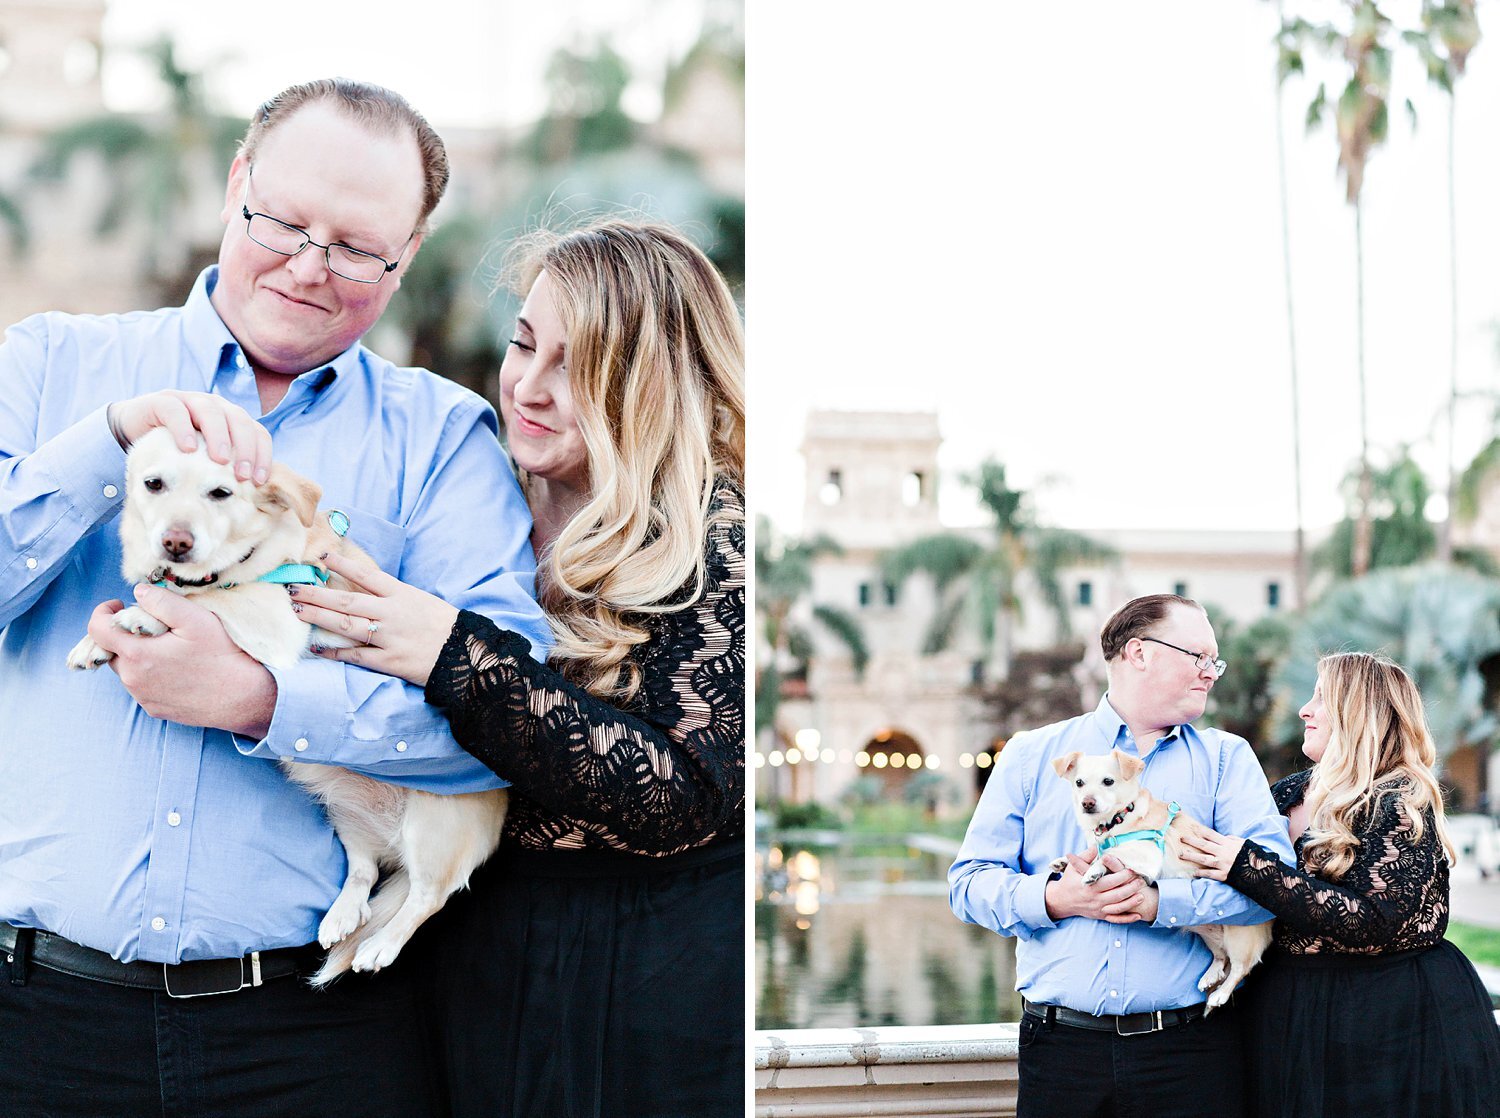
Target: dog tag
[339, 522]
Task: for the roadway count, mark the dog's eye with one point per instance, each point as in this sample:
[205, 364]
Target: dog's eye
[153, 485]
[1079, 783]
[219, 494]
[1109, 781]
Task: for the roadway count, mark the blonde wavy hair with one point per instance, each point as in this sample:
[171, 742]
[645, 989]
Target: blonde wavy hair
[655, 360]
[1378, 745]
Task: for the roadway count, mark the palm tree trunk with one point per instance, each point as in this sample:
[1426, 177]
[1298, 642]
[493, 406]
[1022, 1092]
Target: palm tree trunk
[1360, 560]
[1299, 572]
[1445, 531]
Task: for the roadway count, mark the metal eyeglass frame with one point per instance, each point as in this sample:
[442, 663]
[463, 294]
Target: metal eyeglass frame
[1201, 660]
[388, 265]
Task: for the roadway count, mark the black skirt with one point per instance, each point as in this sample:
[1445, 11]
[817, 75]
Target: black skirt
[586, 985]
[1410, 1035]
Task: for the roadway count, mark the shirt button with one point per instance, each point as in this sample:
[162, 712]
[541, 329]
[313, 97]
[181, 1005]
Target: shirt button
[1220, 911]
[157, 923]
[173, 819]
[300, 745]
[111, 491]
[1117, 943]
[1172, 920]
[1114, 993]
[31, 564]
[400, 747]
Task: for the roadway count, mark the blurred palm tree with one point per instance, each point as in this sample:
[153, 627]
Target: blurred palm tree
[976, 583]
[1400, 533]
[14, 219]
[1362, 121]
[154, 164]
[783, 581]
[1439, 623]
[1455, 25]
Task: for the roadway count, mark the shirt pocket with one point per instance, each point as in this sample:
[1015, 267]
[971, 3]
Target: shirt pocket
[1198, 805]
[382, 540]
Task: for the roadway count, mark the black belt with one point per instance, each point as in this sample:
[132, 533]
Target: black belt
[1129, 1024]
[181, 980]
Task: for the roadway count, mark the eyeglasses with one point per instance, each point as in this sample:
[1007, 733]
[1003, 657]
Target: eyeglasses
[1201, 660]
[288, 240]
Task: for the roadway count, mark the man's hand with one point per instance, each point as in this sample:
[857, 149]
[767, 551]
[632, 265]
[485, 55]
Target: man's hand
[192, 674]
[228, 431]
[1119, 897]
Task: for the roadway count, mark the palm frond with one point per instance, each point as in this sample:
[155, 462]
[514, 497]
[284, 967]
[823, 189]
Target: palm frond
[849, 631]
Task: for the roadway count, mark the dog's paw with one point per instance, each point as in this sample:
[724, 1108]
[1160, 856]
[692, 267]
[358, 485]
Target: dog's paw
[1213, 977]
[1096, 871]
[347, 915]
[135, 620]
[86, 656]
[1219, 996]
[377, 953]
[1058, 865]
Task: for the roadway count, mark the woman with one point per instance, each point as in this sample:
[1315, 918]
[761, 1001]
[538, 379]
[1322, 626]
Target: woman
[1361, 1007]
[597, 966]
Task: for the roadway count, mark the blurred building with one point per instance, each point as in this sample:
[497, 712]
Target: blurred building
[871, 485]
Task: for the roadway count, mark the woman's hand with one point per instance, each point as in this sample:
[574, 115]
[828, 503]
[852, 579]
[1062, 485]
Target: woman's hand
[400, 629]
[1210, 853]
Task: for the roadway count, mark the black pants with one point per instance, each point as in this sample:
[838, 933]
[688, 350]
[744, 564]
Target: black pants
[1188, 1071]
[77, 1048]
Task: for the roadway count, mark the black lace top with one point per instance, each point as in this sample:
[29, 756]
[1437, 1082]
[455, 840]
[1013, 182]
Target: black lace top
[663, 773]
[1393, 898]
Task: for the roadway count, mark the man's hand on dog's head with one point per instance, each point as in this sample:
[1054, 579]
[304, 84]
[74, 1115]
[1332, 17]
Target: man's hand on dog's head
[229, 432]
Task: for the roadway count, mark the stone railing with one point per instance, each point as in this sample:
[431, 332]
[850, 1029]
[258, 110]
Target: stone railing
[962, 1071]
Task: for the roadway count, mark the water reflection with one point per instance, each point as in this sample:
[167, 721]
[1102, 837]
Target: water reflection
[857, 932]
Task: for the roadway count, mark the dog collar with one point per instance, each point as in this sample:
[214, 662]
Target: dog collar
[1158, 836]
[1115, 821]
[167, 580]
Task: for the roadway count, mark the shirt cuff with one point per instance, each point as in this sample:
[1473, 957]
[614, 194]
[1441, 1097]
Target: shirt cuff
[1031, 901]
[88, 465]
[300, 729]
[1175, 907]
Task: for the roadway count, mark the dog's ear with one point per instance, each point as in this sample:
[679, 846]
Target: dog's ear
[1066, 763]
[288, 489]
[1130, 767]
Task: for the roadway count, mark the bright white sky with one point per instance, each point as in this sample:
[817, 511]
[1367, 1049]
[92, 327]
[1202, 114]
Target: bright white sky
[460, 62]
[1062, 232]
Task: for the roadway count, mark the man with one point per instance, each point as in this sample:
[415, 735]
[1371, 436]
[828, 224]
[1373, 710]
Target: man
[1113, 1020]
[150, 847]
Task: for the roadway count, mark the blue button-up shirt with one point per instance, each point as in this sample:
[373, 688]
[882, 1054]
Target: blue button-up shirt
[162, 842]
[1025, 819]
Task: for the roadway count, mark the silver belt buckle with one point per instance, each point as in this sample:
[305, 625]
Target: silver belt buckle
[254, 978]
[1155, 1026]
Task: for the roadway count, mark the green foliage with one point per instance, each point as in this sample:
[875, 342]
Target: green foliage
[1243, 700]
[1481, 945]
[1400, 532]
[1439, 623]
[808, 816]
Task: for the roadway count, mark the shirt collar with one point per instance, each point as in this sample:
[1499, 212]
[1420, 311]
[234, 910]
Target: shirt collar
[213, 347]
[1112, 726]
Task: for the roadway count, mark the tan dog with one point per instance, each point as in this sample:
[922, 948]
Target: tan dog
[189, 524]
[1145, 835]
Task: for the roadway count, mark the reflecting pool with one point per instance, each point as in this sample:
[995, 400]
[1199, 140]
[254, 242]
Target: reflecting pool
[856, 930]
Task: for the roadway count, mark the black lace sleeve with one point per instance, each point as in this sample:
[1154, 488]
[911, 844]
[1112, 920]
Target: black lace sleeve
[668, 775]
[1393, 898]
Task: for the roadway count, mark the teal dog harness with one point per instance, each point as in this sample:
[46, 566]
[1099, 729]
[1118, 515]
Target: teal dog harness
[1158, 836]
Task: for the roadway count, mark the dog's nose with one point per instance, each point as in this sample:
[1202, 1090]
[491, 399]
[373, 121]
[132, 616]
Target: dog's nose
[1089, 804]
[177, 542]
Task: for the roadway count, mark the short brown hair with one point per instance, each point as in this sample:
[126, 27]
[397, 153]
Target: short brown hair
[1135, 617]
[374, 106]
